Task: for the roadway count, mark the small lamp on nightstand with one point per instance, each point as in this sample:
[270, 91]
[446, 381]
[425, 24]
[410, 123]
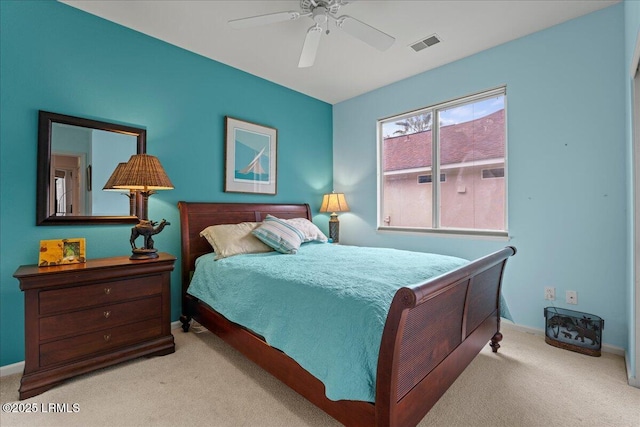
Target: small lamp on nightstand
[334, 202]
[144, 174]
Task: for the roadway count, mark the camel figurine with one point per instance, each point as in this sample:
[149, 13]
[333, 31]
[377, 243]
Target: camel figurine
[147, 229]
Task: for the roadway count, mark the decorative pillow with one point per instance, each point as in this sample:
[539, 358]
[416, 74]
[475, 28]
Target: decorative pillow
[308, 229]
[279, 234]
[233, 239]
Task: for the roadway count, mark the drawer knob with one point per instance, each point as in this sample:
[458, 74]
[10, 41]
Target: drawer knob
[107, 314]
[107, 291]
[107, 337]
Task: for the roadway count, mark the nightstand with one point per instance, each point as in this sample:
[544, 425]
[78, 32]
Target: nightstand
[82, 317]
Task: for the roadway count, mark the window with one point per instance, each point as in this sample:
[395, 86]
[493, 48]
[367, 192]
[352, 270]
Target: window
[467, 139]
[492, 173]
[427, 179]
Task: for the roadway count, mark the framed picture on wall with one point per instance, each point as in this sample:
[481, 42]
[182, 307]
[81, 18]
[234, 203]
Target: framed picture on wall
[250, 157]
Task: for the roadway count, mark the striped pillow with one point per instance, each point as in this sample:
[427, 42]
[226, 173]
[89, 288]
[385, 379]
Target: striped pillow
[279, 235]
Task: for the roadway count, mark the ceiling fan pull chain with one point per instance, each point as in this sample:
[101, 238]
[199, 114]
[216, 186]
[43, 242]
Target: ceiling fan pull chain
[326, 24]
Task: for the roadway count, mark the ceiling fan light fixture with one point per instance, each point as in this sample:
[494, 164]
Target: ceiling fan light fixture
[320, 15]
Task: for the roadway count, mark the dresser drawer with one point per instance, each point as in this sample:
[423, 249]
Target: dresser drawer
[92, 343]
[79, 297]
[94, 319]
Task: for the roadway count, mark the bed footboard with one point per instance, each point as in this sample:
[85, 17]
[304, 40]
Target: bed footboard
[433, 331]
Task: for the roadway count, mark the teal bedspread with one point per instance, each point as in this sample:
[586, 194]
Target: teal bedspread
[325, 306]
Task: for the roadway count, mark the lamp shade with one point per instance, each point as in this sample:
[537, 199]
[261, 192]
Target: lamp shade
[115, 178]
[144, 172]
[334, 202]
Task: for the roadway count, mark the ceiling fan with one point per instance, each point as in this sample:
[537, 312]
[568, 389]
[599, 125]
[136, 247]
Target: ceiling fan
[322, 12]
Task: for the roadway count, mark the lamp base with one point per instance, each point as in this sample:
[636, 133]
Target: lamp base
[334, 228]
[147, 229]
[141, 253]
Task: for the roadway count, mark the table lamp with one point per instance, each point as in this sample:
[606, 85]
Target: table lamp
[144, 174]
[334, 202]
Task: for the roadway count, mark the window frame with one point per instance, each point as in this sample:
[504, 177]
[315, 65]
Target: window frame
[435, 110]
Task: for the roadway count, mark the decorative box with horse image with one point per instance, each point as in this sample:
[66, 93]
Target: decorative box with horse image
[62, 251]
[572, 330]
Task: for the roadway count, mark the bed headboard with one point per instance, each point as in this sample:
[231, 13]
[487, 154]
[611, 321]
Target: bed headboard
[195, 217]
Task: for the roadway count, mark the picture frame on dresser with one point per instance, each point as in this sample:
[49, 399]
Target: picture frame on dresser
[250, 157]
[61, 251]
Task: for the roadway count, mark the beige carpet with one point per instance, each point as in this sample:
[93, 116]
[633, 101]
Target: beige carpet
[207, 383]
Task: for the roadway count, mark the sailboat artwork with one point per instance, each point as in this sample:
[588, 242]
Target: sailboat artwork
[254, 170]
[251, 151]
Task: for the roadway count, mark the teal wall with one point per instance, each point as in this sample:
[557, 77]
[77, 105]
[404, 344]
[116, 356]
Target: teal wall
[57, 58]
[567, 188]
[632, 37]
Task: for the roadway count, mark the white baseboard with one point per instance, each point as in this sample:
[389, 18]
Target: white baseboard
[18, 367]
[175, 325]
[14, 368]
[632, 381]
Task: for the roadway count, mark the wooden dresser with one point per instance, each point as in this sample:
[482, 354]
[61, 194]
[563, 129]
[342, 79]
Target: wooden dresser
[82, 317]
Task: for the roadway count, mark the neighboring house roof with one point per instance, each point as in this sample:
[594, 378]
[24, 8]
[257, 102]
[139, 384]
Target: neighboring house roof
[479, 139]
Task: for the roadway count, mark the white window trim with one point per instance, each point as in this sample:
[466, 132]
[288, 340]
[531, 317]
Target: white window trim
[448, 232]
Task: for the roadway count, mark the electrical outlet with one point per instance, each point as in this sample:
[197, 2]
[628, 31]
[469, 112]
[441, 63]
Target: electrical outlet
[549, 293]
[572, 297]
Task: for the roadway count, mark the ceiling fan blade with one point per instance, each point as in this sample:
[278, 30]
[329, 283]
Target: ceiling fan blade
[310, 47]
[365, 32]
[271, 18]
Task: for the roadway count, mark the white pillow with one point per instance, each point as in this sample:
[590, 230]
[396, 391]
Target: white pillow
[310, 231]
[233, 239]
[279, 234]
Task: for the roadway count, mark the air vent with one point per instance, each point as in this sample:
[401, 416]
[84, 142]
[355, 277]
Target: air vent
[428, 42]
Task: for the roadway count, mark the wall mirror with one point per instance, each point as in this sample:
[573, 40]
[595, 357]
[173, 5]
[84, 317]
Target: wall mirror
[76, 157]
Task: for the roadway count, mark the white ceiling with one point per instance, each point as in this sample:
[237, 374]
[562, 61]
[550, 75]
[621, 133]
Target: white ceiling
[345, 67]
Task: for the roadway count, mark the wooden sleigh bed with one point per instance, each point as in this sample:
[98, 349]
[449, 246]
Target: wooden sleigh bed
[432, 332]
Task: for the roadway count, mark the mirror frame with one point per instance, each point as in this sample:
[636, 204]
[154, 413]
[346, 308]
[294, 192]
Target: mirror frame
[45, 123]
